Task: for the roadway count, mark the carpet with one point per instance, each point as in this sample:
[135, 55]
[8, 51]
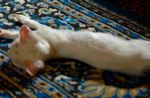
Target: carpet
[68, 78]
[133, 10]
[135, 6]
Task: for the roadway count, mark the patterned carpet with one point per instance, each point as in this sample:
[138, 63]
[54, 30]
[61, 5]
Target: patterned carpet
[67, 78]
[139, 7]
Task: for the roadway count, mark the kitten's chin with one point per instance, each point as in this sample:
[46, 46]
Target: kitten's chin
[31, 72]
[33, 68]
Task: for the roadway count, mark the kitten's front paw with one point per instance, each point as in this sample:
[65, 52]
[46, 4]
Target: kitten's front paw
[22, 18]
[8, 34]
[4, 33]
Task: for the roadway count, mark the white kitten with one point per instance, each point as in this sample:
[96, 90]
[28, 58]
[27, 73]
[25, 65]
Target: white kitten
[103, 51]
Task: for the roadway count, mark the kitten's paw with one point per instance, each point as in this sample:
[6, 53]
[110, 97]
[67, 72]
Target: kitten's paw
[8, 34]
[28, 21]
[4, 33]
[22, 18]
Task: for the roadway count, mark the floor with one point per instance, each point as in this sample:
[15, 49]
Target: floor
[67, 78]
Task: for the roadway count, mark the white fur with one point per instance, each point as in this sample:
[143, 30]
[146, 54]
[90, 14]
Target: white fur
[101, 50]
[104, 51]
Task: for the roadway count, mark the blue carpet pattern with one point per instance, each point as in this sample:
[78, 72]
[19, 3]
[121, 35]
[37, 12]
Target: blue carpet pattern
[67, 78]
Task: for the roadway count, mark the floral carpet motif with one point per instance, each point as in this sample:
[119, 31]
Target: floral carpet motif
[68, 78]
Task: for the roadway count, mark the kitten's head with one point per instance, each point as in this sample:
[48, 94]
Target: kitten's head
[29, 50]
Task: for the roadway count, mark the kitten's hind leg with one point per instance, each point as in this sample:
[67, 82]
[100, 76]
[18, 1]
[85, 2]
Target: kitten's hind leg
[8, 34]
[29, 22]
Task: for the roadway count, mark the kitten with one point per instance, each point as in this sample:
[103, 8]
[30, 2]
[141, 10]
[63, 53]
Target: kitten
[103, 51]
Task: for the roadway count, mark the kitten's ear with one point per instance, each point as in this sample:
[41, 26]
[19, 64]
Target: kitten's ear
[25, 32]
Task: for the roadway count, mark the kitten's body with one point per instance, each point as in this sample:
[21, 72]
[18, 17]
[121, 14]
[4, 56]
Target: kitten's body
[100, 50]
